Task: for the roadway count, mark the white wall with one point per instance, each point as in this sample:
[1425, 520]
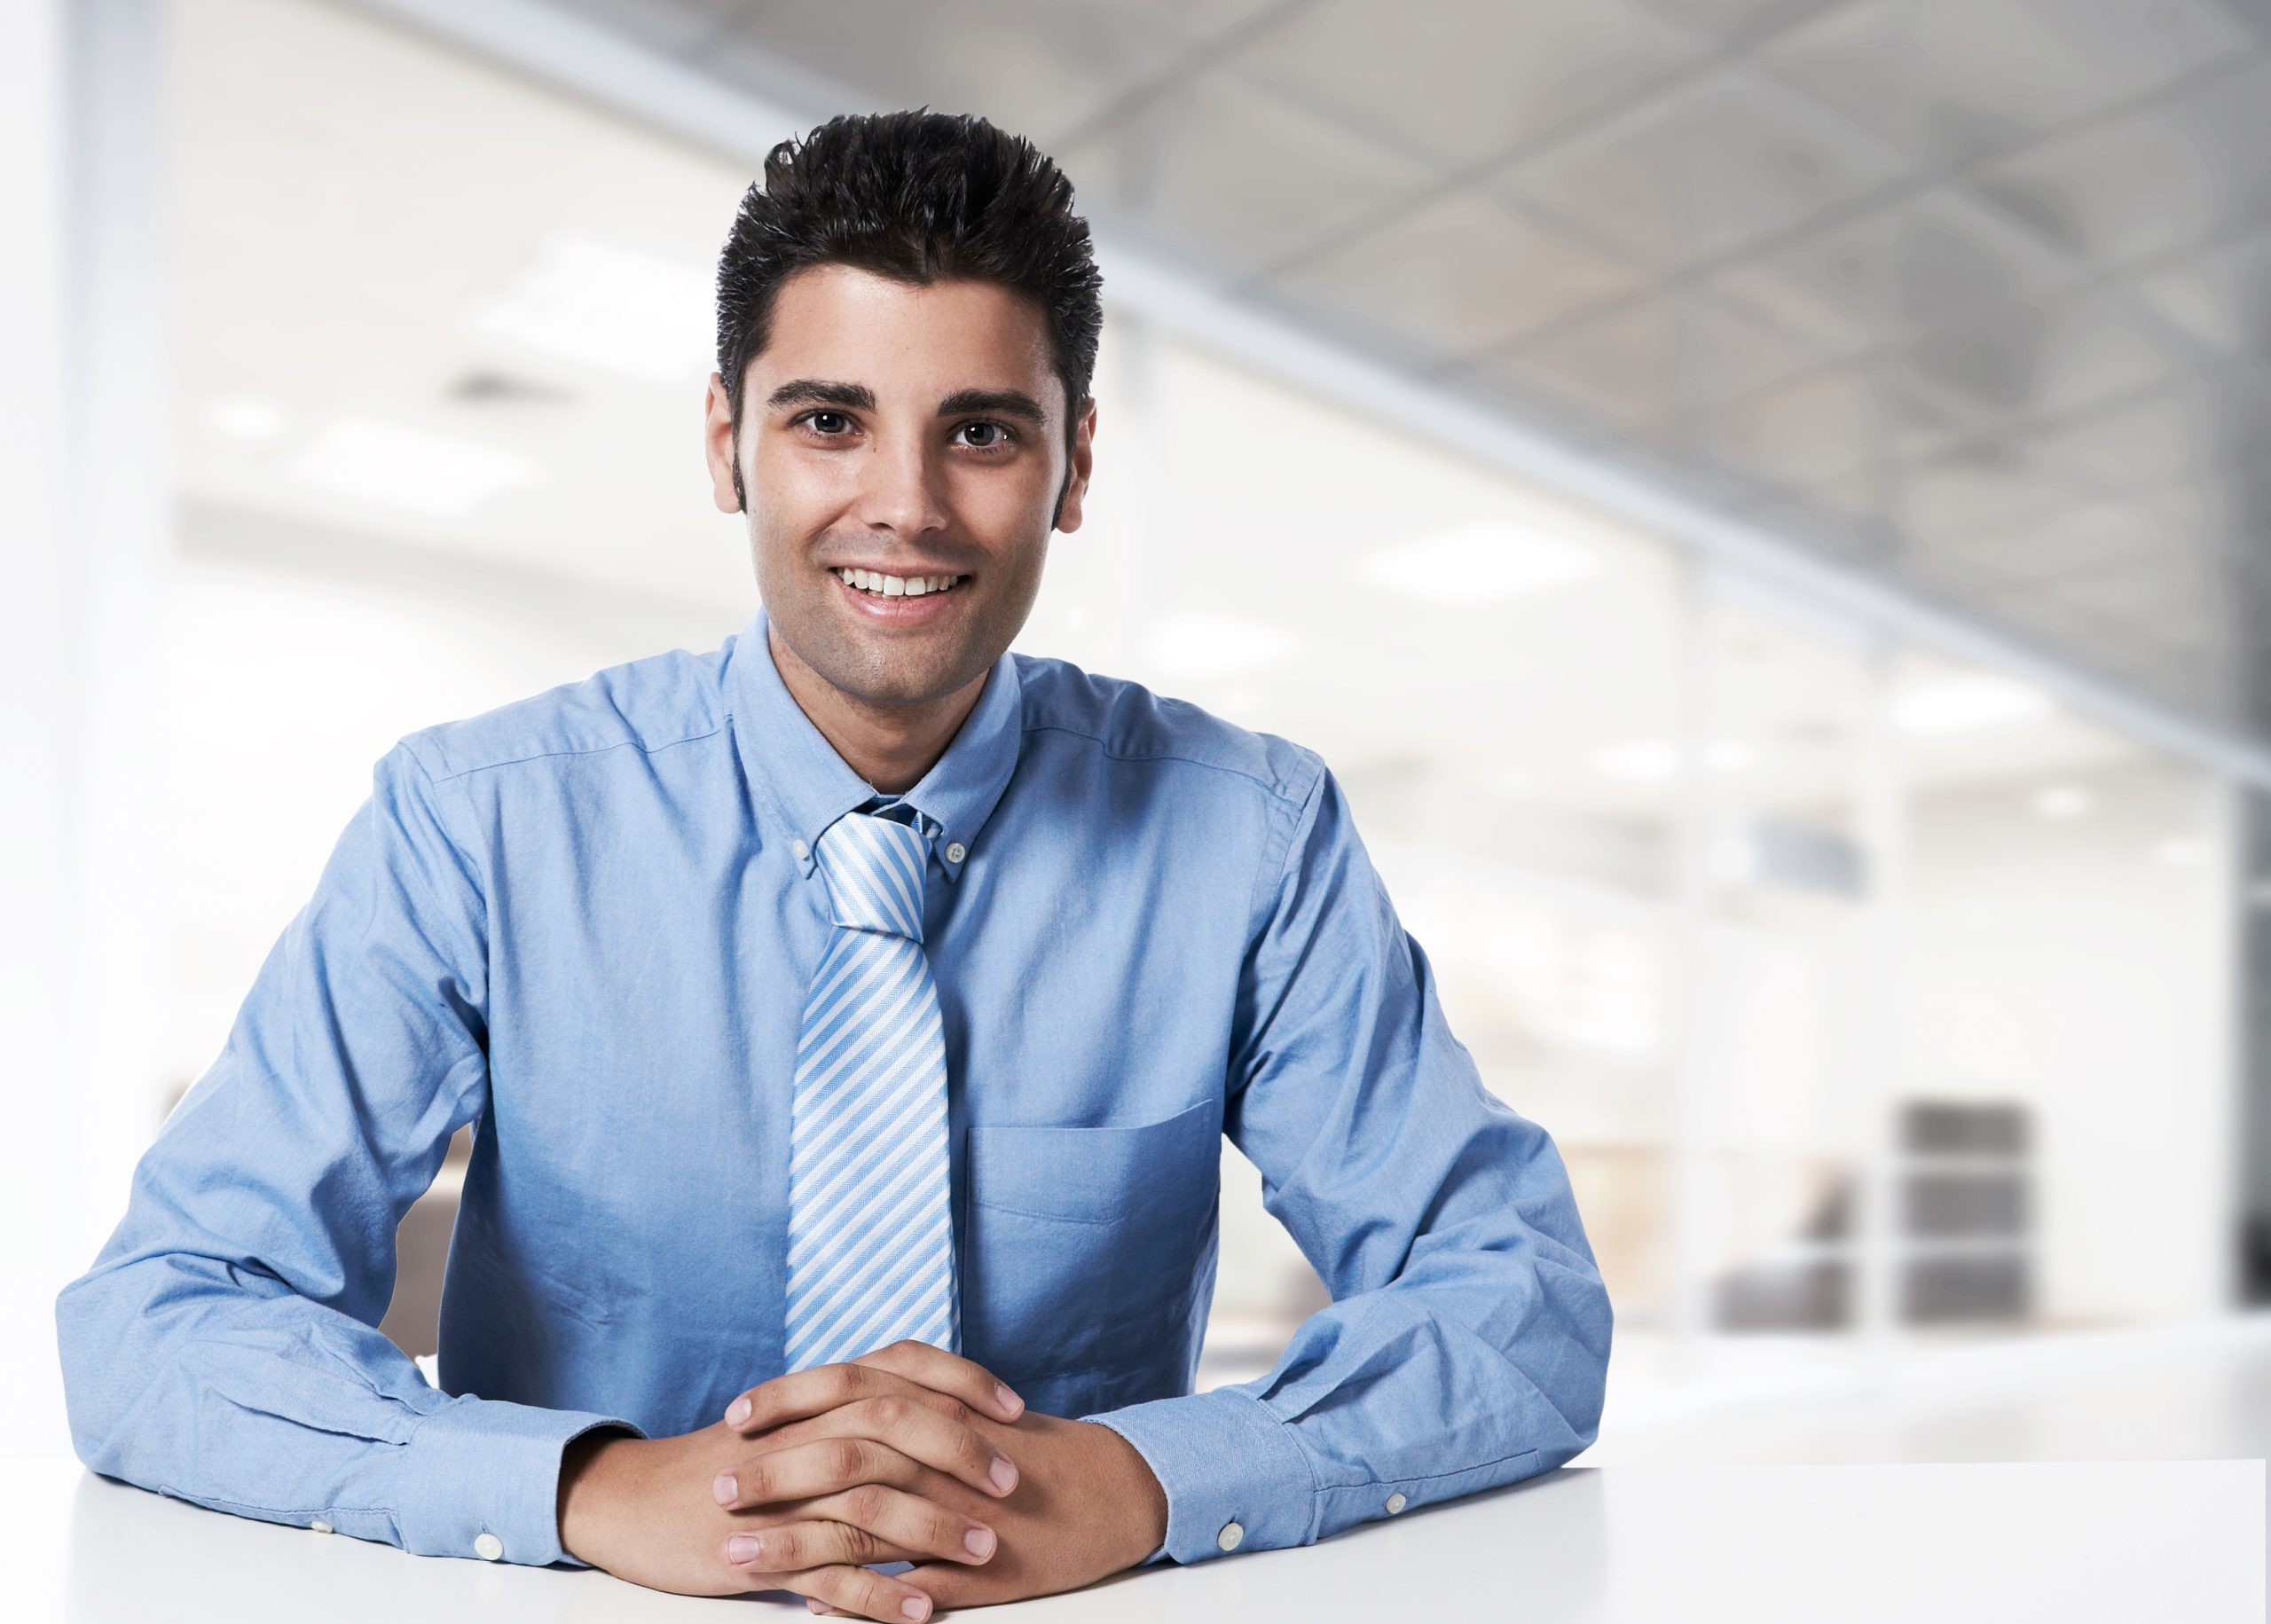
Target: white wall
[2073, 966]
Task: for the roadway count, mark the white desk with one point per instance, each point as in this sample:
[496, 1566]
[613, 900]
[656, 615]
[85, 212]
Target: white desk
[2176, 1541]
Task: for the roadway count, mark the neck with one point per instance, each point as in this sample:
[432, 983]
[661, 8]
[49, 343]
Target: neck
[890, 746]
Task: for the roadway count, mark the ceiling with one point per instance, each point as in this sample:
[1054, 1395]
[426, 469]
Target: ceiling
[1975, 293]
[364, 225]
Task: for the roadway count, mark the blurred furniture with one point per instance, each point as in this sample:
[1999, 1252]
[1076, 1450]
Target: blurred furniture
[1966, 1214]
[1963, 1239]
[2076, 1543]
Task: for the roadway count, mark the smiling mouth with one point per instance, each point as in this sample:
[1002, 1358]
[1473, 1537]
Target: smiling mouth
[874, 584]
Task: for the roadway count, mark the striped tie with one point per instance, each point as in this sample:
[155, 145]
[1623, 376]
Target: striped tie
[870, 1240]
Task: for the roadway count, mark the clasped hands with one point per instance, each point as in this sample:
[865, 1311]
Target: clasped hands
[908, 1454]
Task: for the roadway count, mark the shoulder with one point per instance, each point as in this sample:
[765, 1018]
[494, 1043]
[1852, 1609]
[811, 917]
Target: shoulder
[646, 705]
[1126, 722]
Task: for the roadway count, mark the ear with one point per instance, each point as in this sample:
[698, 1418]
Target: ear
[718, 447]
[1076, 484]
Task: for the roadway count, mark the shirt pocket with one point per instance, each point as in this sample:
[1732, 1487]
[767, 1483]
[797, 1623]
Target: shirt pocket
[1088, 1250]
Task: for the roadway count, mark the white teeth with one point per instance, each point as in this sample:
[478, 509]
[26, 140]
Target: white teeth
[896, 587]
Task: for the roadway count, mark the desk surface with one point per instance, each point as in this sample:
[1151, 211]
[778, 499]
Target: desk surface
[1690, 1544]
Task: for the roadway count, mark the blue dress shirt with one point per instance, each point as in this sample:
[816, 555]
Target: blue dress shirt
[587, 920]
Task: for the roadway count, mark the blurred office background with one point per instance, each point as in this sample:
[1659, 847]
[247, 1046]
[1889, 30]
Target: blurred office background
[1760, 502]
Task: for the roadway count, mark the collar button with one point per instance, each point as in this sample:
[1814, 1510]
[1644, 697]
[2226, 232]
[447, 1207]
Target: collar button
[956, 852]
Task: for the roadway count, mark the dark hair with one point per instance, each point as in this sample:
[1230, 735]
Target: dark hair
[920, 197]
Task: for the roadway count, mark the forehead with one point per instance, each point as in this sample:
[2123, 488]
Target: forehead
[853, 327]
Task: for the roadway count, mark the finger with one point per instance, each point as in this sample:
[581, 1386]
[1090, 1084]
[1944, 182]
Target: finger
[948, 1373]
[862, 1591]
[794, 1547]
[804, 1393]
[803, 1471]
[899, 1425]
[914, 1526]
[949, 1587]
[921, 1433]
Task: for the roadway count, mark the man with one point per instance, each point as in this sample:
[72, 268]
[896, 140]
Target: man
[850, 1016]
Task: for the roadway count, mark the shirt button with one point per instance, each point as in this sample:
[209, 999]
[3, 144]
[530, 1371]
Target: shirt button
[798, 847]
[1230, 1537]
[956, 852]
[320, 1526]
[1396, 1503]
[488, 1548]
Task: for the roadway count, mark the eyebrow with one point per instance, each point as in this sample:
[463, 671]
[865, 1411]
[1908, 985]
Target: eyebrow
[1002, 402]
[860, 398]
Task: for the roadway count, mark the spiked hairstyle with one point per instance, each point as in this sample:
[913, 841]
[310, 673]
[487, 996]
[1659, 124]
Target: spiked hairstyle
[920, 197]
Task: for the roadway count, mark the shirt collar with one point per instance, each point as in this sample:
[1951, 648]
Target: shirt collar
[793, 769]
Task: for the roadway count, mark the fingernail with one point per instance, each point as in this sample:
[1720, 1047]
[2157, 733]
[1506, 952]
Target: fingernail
[812, 1604]
[916, 1608]
[725, 1489]
[739, 1412]
[1009, 1401]
[979, 1542]
[743, 1548]
[1004, 1474]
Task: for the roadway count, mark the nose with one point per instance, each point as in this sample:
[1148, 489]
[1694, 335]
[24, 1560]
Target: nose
[899, 488]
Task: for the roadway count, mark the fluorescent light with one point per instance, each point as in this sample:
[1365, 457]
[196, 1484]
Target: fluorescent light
[2181, 853]
[2062, 801]
[1195, 644]
[1646, 761]
[1960, 704]
[1656, 761]
[409, 469]
[1484, 562]
[255, 420]
[619, 309]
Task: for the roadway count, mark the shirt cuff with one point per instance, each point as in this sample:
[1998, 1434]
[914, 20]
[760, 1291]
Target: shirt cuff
[481, 1479]
[1235, 1476]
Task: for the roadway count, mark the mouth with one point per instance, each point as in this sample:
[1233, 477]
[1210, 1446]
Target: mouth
[899, 600]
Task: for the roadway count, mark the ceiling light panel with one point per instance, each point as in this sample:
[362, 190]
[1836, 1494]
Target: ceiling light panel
[619, 310]
[1966, 704]
[406, 470]
[1484, 562]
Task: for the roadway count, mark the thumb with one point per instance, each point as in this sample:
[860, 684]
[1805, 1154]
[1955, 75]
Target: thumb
[947, 1584]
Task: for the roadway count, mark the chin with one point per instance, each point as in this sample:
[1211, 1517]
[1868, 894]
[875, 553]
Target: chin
[879, 675]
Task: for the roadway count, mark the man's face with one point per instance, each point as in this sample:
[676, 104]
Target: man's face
[912, 431]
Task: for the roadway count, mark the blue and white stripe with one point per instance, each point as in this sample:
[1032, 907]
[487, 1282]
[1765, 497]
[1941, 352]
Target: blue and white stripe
[871, 1235]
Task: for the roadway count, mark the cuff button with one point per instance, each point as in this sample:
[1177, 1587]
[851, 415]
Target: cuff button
[489, 1548]
[1230, 1537]
[1396, 1503]
[320, 1526]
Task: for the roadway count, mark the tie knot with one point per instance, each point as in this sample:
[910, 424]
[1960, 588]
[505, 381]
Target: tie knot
[875, 868]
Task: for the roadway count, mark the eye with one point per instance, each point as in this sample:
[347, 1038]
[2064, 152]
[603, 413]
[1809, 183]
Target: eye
[826, 423]
[995, 435]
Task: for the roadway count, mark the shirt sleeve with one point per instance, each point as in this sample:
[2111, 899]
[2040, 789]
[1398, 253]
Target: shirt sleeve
[223, 1348]
[1466, 1345]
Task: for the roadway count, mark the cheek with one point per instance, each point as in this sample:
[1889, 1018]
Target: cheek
[793, 499]
[1002, 506]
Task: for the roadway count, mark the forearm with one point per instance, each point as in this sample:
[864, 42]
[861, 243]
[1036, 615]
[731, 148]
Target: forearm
[1434, 1386]
[214, 1384]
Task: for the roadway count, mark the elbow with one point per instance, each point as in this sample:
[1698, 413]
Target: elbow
[113, 1348]
[93, 1349]
[1586, 1321]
